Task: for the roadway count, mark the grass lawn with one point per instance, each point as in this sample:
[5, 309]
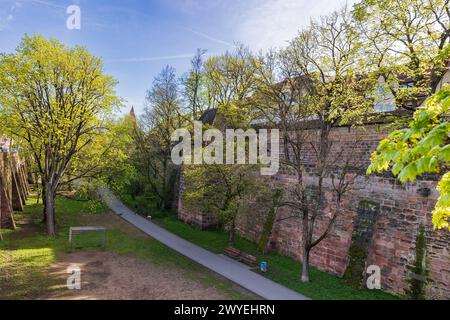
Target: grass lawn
[282, 269]
[27, 253]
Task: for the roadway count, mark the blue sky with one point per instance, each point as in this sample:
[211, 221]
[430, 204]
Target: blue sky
[136, 39]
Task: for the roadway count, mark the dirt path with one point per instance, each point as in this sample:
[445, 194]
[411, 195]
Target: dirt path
[28, 269]
[106, 275]
[235, 271]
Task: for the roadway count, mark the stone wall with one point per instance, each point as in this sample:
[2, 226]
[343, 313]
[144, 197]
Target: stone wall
[14, 188]
[189, 215]
[381, 217]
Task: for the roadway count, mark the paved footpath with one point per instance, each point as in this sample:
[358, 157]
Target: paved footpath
[228, 268]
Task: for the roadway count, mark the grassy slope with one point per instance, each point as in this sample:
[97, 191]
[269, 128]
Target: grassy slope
[25, 256]
[282, 269]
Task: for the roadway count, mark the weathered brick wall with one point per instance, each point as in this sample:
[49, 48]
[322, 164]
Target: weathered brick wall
[13, 188]
[6, 216]
[20, 184]
[378, 212]
[189, 215]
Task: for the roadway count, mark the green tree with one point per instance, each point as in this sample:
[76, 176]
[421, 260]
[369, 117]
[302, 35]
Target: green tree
[402, 40]
[221, 190]
[55, 98]
[421, 148]
[162, 115]
[106, 155]
[230, 78]
[110, 158]
[194, 90]
[306, 90]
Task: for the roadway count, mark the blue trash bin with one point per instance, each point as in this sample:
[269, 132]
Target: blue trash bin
[263, 266]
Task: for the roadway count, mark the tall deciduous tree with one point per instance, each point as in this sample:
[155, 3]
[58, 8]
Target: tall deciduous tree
[108, 156]
[219, 188]
[306, 90]
[162, 115]
[404, 41]
[194, 90]
[55, 98]
[423, 147]
[230, 78]
[222, 190]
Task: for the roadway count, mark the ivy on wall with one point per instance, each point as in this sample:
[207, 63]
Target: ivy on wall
[361, 239]
[418, 271]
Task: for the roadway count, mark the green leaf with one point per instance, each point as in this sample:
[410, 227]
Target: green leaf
[444, 154]
[408, 173]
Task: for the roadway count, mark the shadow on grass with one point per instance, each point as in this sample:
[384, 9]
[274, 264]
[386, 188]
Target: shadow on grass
[25, 258]
[281, 269]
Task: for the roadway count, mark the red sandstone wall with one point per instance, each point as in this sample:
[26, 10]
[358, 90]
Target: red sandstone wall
[6, 217]
[192, 216]
[13, 188]
[400, 211]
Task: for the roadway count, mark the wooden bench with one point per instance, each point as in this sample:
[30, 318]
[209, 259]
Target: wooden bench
[78, 230]
[249, 259]
[243, 257]
[232, 252]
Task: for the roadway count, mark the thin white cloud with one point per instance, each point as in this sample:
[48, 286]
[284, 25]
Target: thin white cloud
[149, 59]
[272, 23]
[211, 38]
[8, 11]
[6, 14]
[48, 4]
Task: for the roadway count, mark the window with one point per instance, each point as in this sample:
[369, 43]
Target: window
[408, 85]
[384, 101]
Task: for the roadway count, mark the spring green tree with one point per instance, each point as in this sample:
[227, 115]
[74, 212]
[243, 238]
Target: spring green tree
[116, 167]
[231, 77]
[56, 99]
[162, 115]
[316, 83]
[108, 160]
[193, 87]
[404, 41]
[421, 148]
[229, 81]
[223, 189]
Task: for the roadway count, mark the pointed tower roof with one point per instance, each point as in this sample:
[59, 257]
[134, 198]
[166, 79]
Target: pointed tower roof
[132, 112]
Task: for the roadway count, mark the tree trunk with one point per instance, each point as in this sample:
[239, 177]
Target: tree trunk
[232, 234]
[69, 185]
[305, 265]
[307, 236]
[160, 204]
[44, 201]
[50, 211]
[54, 215]
[38, 198]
